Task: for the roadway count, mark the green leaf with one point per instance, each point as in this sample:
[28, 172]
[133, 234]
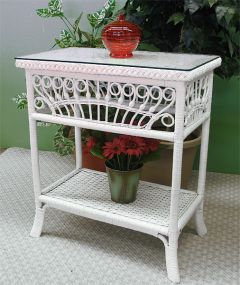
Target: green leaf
[176, 18]
[235, 38]
[98, 43]
[66, 40]
[224, 12]
[76, 23]
[21, 101]
[109, 6]
[97, 151]
[65, 35]
[59, 43]
[63, 144]
[230, 46]
[88, 36]
[212, 2]
[79, 32]
[192, 5]
[44, 13]
[54, 10]
[97, 18]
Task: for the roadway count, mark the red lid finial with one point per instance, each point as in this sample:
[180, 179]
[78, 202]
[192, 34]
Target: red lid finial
[121, 17]
[121, 37]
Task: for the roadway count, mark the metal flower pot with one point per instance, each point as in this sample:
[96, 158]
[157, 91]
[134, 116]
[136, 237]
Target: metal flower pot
[123, 184]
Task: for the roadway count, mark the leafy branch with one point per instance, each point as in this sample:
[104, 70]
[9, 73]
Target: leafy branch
[73, 35]
[21, 101]
[195, 26]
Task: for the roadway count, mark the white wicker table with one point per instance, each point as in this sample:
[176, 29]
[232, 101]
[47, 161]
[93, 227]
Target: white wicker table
[171, 90]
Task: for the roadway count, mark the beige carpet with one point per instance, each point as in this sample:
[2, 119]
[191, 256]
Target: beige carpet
[76, 250]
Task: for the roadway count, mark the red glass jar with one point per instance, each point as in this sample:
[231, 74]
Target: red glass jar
[121, 38]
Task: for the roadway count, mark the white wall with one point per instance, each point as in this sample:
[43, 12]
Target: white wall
[22, 31]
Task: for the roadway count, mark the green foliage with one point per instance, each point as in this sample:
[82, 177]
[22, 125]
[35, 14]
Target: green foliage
[152, 16]
[193, 5]
[212, 2]
[73, 35]
[102, 16]
[21, 101]
[54, 10]
[214, 28]
[195, 26]
[97, 151]
[63, 141]
[176, 18]
[66, 40]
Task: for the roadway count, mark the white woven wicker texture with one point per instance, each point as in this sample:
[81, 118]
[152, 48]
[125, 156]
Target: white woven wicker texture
[75, 250]
[91, 190]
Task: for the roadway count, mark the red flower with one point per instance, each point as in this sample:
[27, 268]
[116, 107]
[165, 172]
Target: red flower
[133, 145]
[151, 145]
[91, 142]
[115, 147]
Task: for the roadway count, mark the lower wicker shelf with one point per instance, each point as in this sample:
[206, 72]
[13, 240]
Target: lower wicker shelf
[86, 193]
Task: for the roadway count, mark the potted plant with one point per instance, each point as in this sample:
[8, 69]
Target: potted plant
[206, 27]
[124, 157]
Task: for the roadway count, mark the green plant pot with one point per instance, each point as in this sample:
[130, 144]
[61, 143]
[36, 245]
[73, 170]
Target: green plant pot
[123, 184]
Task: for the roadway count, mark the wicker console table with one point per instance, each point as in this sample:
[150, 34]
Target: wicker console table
[171, 90]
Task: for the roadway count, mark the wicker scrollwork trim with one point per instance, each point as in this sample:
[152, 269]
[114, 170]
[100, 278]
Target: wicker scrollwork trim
[135, 105]
[197, 99]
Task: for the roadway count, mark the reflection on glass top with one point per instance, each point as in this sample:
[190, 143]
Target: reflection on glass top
[141, 59]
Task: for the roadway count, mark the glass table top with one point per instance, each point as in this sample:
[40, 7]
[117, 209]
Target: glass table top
[140, 59]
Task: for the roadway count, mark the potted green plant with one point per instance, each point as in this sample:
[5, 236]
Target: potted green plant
[124, 157]
[73, 35]
[206, 27]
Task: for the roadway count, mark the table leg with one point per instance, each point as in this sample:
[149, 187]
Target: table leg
[78, 147]
[172, 260]
[38, 222]
[199, 220]
[40, 208]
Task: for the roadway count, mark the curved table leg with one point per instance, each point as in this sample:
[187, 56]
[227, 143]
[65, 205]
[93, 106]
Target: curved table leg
[171, 258]
[38, 222]
[172, 262]
[199, 222]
